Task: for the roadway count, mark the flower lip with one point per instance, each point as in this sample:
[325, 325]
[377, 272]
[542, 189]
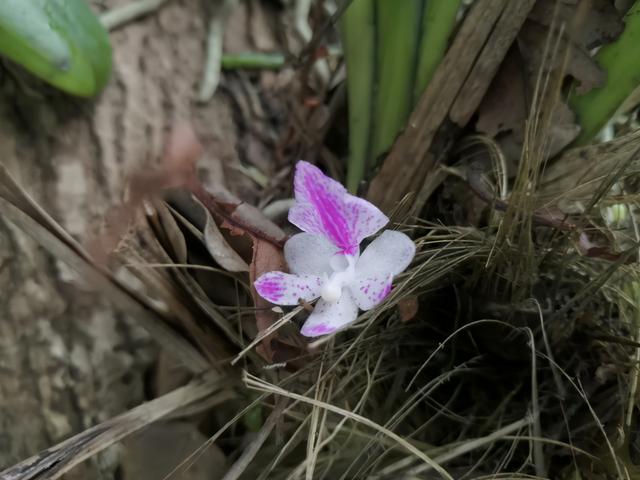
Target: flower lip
[342, 276]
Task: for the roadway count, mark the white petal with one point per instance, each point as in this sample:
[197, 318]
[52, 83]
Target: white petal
[287, 289]
[369, 291]
[327, 317]
[308, 254]
[390, 253]
[386, 256]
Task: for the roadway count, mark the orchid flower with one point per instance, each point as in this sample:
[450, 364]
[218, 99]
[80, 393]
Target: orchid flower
[325, 260]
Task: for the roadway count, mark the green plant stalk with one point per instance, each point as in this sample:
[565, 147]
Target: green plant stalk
[398, 36]
[60, 41]
[439, 20]
[253, 60]
[358, 37]
[621, 61]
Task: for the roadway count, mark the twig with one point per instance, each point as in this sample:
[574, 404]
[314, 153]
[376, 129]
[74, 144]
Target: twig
[119, 16]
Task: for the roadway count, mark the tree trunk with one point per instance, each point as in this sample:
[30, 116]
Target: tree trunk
[67, 359]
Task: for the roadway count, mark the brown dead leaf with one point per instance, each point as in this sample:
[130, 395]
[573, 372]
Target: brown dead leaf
[600, 24]
[532, 40]
[169, 229]
[245, 223]
[503, 109]
[563, 129]
[506, 107]
[408, 308]
[219, 248]
[266, 258]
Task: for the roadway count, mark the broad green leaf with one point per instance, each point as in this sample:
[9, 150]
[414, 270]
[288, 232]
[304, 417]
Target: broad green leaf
[60, 41]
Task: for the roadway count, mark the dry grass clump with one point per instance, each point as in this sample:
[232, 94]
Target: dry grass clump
[509, 349]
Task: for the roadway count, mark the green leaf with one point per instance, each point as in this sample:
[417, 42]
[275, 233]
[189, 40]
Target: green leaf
[398, 37]
[391, 51]
[60, 41]
[621, 61]
[358, 37]
[438, 22]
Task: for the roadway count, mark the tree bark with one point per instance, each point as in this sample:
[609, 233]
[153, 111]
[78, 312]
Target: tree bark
[67, 359]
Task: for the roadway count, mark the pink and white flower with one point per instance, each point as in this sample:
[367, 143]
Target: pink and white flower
[325, 261]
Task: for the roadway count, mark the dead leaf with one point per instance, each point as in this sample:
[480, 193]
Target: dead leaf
[408, 308]
[563, 129]
[600, 24]
[503, 109]
[174, 238]
[532, 40]
[220, 250]
[248, 224]
[266, 258]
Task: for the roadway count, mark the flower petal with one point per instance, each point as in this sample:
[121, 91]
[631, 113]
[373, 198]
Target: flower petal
[287, 289]
[385, 257]
[327, 317]
[308, 254]
[371, 290]
[324, 207]
[390, 253]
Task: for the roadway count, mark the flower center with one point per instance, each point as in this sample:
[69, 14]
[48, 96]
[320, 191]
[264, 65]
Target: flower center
[344, 267]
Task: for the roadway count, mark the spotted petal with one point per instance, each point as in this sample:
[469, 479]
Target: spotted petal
[323, 207]
[287, 289]
[308, 254]
[385, 257]
[328, 317]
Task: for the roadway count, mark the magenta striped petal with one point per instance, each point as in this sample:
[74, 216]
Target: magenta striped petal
[287, 289]
[324, 207]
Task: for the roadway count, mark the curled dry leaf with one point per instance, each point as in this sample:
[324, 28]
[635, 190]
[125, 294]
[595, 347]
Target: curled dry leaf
[219, 248]
[169, 229]
[245, 223]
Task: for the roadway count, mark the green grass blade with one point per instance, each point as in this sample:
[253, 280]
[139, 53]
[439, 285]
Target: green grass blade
[358, 37]
[438, 21]
[621, 61]
[398, 36]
